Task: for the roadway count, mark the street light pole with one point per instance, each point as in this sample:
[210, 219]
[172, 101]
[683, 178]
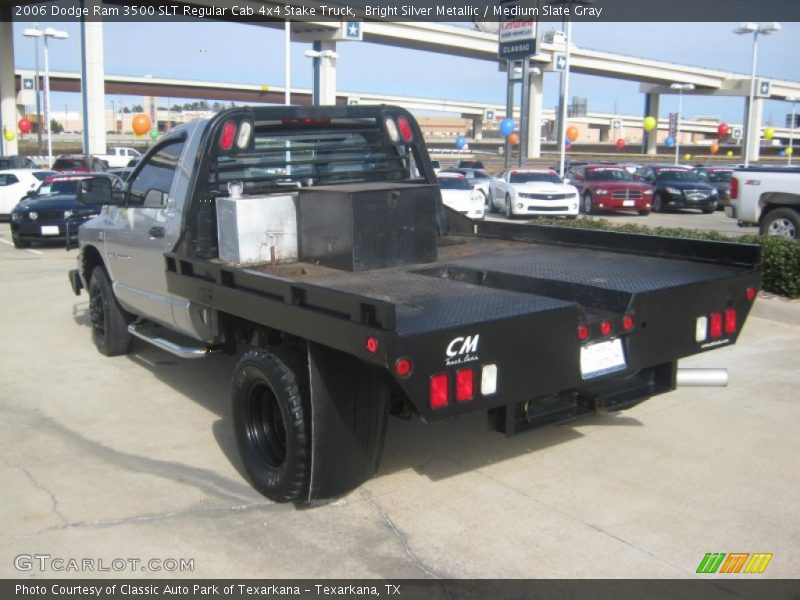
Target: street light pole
[791, 132]
[680, 87]
[744, 29]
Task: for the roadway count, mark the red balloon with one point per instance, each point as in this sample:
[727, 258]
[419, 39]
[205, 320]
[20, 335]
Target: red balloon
[620, 144]
[24, 125]
[722, 129]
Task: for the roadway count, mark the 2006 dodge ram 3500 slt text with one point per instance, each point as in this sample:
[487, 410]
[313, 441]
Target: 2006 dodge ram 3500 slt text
[313, 241]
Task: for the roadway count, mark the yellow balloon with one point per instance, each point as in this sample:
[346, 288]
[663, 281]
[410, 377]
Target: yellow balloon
[8, 134]
[649, 123]
[789, 151]
[687, 156]
[730, 153]
[769, 133]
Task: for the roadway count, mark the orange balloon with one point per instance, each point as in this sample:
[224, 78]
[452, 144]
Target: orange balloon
[572, 133]
[714, 148]
[513, 138]
[140, 124]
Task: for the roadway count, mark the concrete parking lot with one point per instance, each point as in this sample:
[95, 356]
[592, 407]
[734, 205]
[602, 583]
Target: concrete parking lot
[133, 457]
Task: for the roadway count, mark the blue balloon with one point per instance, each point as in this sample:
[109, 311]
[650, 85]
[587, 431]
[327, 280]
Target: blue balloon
[782, 153]
[507, 127]
[461, 141]
[669, 142]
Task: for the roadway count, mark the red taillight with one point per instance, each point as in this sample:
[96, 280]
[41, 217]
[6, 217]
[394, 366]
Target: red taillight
[605, 327]
[715, 325]
[439, 391]
[306, 121]
[627, 322]
[372, 345]
[583, 333]
[730, 320]
[405, 129]
[465, 385]
[751, 294]
[734, 188]
[403, 367]
[227, 135]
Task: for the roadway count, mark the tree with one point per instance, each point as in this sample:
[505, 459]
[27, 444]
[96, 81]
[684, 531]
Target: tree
[176, 108]
[216, 107]
[138, 108]
[55, 126]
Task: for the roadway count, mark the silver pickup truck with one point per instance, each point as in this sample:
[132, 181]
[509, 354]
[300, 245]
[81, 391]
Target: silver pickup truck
[313, 242]
[768, 197]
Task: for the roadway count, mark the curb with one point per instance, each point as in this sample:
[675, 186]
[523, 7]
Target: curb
[777, 308]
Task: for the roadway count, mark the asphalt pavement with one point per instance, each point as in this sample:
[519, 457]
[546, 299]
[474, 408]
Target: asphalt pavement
[133, 458]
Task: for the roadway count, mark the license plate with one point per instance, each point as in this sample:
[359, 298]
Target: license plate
[602, 358]
[628, 203]
[49, 229]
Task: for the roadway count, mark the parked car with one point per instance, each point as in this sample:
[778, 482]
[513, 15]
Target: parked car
[79, 163]
[119, 157]
[52, 214]
[720, 178]
[436, 166]
[470, 164]
[639, 172]
[679, 187]
[605, 188]
[534, 192]
[15, 184]
[459, 194]
[17, 162]
[477, 178]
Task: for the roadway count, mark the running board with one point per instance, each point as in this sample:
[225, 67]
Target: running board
[150, 334]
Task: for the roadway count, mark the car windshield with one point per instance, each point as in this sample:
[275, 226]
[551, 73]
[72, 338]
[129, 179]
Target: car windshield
[63, 186]
[454, 183]
[676, 175]
[42, 175]
[719, 176]
[608, 175]
[534, 177]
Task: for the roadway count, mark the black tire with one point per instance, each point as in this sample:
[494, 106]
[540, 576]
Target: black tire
[272, 423]
[781, 222]
[643, 213]
[658, 203]
[509, 211]
[18, 243]
[109, 320]
[588, 204]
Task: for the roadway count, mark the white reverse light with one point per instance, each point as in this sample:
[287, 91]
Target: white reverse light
[701, 329]
[489, 380]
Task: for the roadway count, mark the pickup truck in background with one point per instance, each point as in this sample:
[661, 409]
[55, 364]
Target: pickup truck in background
[768, 197]
[119, 157]
[313, 243]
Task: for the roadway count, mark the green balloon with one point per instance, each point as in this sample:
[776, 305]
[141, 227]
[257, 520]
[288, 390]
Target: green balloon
[153, 134]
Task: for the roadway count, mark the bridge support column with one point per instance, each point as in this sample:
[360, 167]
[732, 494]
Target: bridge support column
[535, 98]
[477, 129]
[93, 88]
[650, 138]
[8, 91]
[324, 56]
[751, 141]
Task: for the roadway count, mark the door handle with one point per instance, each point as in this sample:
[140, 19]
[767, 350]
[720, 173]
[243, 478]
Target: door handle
[156, 232]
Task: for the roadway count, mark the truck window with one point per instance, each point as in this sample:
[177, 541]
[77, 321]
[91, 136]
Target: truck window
[156, 173]
[347, 151]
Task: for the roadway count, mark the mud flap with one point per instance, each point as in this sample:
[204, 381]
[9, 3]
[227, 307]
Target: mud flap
[349, 408]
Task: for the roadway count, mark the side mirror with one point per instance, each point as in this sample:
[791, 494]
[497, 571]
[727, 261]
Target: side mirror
[154, 199]
[566, 180]
[94, 190]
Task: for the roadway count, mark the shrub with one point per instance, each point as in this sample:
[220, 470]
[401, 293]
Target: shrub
[780, 257]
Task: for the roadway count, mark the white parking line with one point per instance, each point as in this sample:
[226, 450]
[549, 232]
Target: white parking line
[31, 250]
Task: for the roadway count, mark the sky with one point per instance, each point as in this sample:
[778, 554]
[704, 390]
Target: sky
[241, 53]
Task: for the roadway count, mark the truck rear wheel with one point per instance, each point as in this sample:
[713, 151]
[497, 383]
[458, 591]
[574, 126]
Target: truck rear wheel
[272, 423]
[781, 222]
[109, 322]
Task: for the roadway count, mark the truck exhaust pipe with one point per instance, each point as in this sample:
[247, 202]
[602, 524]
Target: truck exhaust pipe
[702, 377]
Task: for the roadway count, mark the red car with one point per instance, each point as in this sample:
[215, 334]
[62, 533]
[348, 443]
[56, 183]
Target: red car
[608, 188]
[79, 163]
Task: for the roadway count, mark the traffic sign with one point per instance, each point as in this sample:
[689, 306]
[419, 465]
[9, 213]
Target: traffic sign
[352, 31]
[560, 61]
[488, 115]
[616, 124]
[764, 88]
[27, 83]
[736, 133]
